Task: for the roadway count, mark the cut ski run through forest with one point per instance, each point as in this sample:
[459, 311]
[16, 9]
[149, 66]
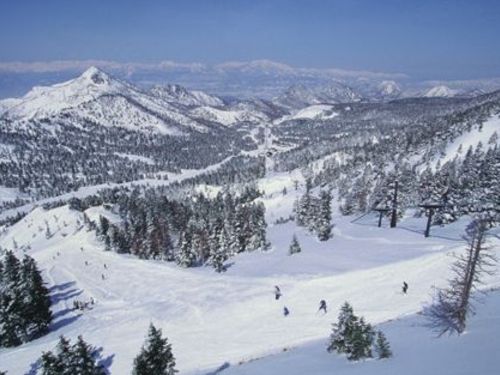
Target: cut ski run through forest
[219, 320]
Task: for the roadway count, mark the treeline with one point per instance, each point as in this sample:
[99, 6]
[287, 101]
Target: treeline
[193, 231]
[24, 301]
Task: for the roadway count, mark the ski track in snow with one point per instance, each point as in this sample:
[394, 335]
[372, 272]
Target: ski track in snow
[211, 319]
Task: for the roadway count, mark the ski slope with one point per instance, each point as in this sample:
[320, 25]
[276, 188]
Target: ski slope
[416, 351]
[212, 319]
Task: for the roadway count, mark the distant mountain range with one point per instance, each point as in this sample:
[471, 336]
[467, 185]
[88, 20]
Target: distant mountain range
[260, 78]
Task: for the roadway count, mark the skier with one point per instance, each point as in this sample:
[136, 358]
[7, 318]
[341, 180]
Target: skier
[405, 287]
[103, 277]
[286, 312]
[277, 292]
[322, 306]
[105, 266]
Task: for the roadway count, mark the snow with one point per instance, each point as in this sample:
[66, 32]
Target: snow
[133, 157]
[180, 95]
[11, 194]
[227, 117]
[315, 112]
[97, 97]
[212, 318]
[389, 88]
[440, 91]
[416, 351]
[471, 139]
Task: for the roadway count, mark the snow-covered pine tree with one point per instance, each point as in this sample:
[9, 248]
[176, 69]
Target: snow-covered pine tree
[341, 330]
[83, 361]
[218, 251]
[359, 341]
[294, 246]
[381, 346]
[156, 355]
[57, 363]
[185, 255]
[351, 335]
[79, 358]
[324, 225]
[11, 302]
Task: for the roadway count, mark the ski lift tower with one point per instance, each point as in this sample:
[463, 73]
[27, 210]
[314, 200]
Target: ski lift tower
[394, 215]
[430, 209]
[381, 211]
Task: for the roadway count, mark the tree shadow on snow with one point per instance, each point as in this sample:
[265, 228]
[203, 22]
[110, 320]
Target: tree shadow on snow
[219, 369]
[105, 362]
[62, 286]
[62, 296]
[60, 313]
[55, 326]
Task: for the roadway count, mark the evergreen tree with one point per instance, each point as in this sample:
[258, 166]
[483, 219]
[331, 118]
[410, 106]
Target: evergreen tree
[324, 227]
[382, 347]
[79, 358]
[36, 302]
[11, 302]
[294, 246]
[83, 361]
[342, 330]
[351, 335]
[24, 301]
[219, 251]
[156, 356]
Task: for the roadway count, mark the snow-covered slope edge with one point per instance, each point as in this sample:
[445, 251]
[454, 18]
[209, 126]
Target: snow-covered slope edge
[416, 351]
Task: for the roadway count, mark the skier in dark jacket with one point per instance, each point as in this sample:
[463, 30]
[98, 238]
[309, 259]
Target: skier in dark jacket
[405, 287]
[322, 306]
[286, 312]
[277, 292]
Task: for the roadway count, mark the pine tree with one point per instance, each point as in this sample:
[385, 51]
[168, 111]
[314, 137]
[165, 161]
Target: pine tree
[324, 228]
[294, 246]
[36, 302]
[351, 335]
[79, 358]
[342, 330]
[156, 356]
[11, 302]
[219, 251]
[83, 361]
[382, 347]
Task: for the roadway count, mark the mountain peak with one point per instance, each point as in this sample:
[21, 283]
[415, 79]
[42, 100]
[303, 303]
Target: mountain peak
[95, 75]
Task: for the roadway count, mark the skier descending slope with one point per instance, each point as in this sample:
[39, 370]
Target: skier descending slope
[286, 312]
[405, 287]
[322, 306]
[277, 292]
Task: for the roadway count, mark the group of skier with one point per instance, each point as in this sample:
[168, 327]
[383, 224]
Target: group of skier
[286, 311]
[322, 303]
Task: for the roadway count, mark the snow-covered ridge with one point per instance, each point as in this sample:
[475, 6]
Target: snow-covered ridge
[107, 101]
[178, 94]
[440, 92]
[313, 112]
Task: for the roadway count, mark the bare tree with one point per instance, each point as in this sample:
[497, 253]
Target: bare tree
[452, 307]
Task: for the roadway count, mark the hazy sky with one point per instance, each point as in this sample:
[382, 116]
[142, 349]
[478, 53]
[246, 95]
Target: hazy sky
[445, 39]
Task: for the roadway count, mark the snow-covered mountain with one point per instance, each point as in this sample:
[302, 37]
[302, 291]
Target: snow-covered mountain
[312, 112]
[441, 91]
[301, 96]
[177, 94]
[99, 98]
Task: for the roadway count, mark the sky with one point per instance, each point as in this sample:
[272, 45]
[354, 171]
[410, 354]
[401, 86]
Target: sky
[427, 39]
